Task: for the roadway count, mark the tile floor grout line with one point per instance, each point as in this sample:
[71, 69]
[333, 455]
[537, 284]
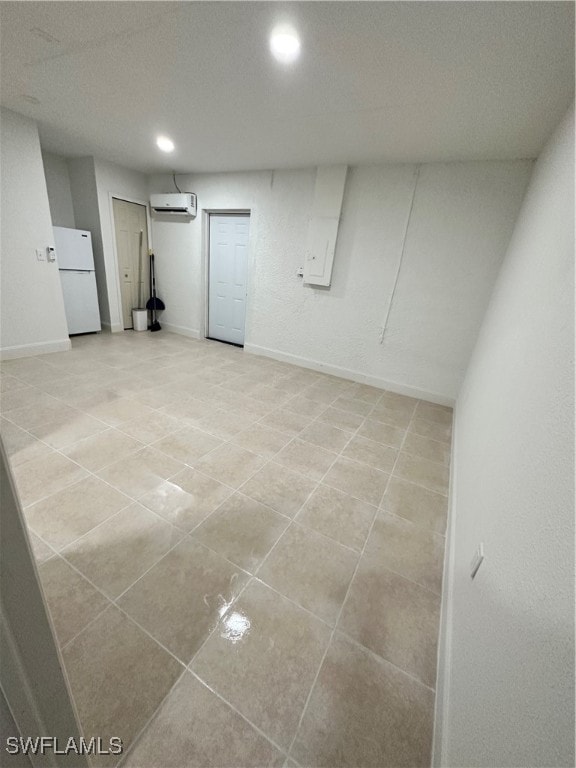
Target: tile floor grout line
[426, 458]
[217, 625]
[118, 427]
[328, 644]
[356, 642]
[150, 635]
[168, 551]
[291, 519]
[257, 501]
[266, 460]
[50, 547]
[93, 620]
[131, 500]
[383, 659]
[425, 487]
[407, 520]
[5, 415]
[189, 531]
[149, 722]
[419, 485]
[223, 557]
[308, 527]
[113, 603]
[290, 524]
[137, 499]
[252, 577]
[294, 602]
[90, 530]
[324, 535]
[333, 629]
[37, 501]
[204, 455]
[237, 711]
[217, 362]
[130, 454]
[54, 450]
[8, 411]
[407, 578]
[337, 621]
[337, 455]
[90, 472]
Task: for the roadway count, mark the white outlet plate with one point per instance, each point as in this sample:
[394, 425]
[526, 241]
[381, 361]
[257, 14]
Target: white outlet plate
[477, 560]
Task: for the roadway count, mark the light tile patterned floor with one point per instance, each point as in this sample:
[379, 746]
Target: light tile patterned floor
[242, 558]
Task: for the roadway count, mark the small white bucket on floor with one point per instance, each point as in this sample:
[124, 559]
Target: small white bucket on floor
[140, 319]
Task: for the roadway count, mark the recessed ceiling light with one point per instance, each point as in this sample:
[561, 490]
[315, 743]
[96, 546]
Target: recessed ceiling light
[285, 44]
[165, 144]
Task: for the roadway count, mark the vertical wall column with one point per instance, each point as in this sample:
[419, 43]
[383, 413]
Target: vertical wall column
[323, 224]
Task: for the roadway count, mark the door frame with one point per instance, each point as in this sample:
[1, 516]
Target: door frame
[33, 678]
[206, 213]
[111, 197]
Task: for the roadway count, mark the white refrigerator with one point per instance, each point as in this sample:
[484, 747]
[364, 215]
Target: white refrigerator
[76, 266]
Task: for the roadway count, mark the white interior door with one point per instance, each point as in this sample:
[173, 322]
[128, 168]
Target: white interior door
[131, 246]
[228, 275]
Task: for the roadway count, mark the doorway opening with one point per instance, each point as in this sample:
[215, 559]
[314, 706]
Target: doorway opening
[228, 236]
[131, 232]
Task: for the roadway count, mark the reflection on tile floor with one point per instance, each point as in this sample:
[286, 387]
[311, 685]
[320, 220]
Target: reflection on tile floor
[242, 558]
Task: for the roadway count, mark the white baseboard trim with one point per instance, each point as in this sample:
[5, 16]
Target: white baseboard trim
[30, 350]
[112, 327]
[345, 373]
[180, 329]
[444, 656]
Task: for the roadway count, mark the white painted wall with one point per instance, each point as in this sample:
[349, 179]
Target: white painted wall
[112, 179]
[87, 216]
[59, 193]
[32, 314]
[462, 219]
[506, 677]
[93, 183]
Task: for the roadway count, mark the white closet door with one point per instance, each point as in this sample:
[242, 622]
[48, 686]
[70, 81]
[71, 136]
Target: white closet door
[228, 275]
[132, 249]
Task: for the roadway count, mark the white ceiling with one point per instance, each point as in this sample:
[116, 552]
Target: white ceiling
[377, 81]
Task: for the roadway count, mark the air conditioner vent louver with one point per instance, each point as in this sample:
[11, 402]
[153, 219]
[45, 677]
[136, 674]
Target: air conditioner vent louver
[174, 205]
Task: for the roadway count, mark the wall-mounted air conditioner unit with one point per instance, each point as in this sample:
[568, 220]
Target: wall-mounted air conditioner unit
[176, 204]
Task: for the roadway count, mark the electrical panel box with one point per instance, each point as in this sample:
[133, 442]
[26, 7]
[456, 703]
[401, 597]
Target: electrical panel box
[323, 224]
[320, 248]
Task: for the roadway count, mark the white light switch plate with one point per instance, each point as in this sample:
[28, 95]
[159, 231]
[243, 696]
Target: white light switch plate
[477, 560]
[40, 254]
